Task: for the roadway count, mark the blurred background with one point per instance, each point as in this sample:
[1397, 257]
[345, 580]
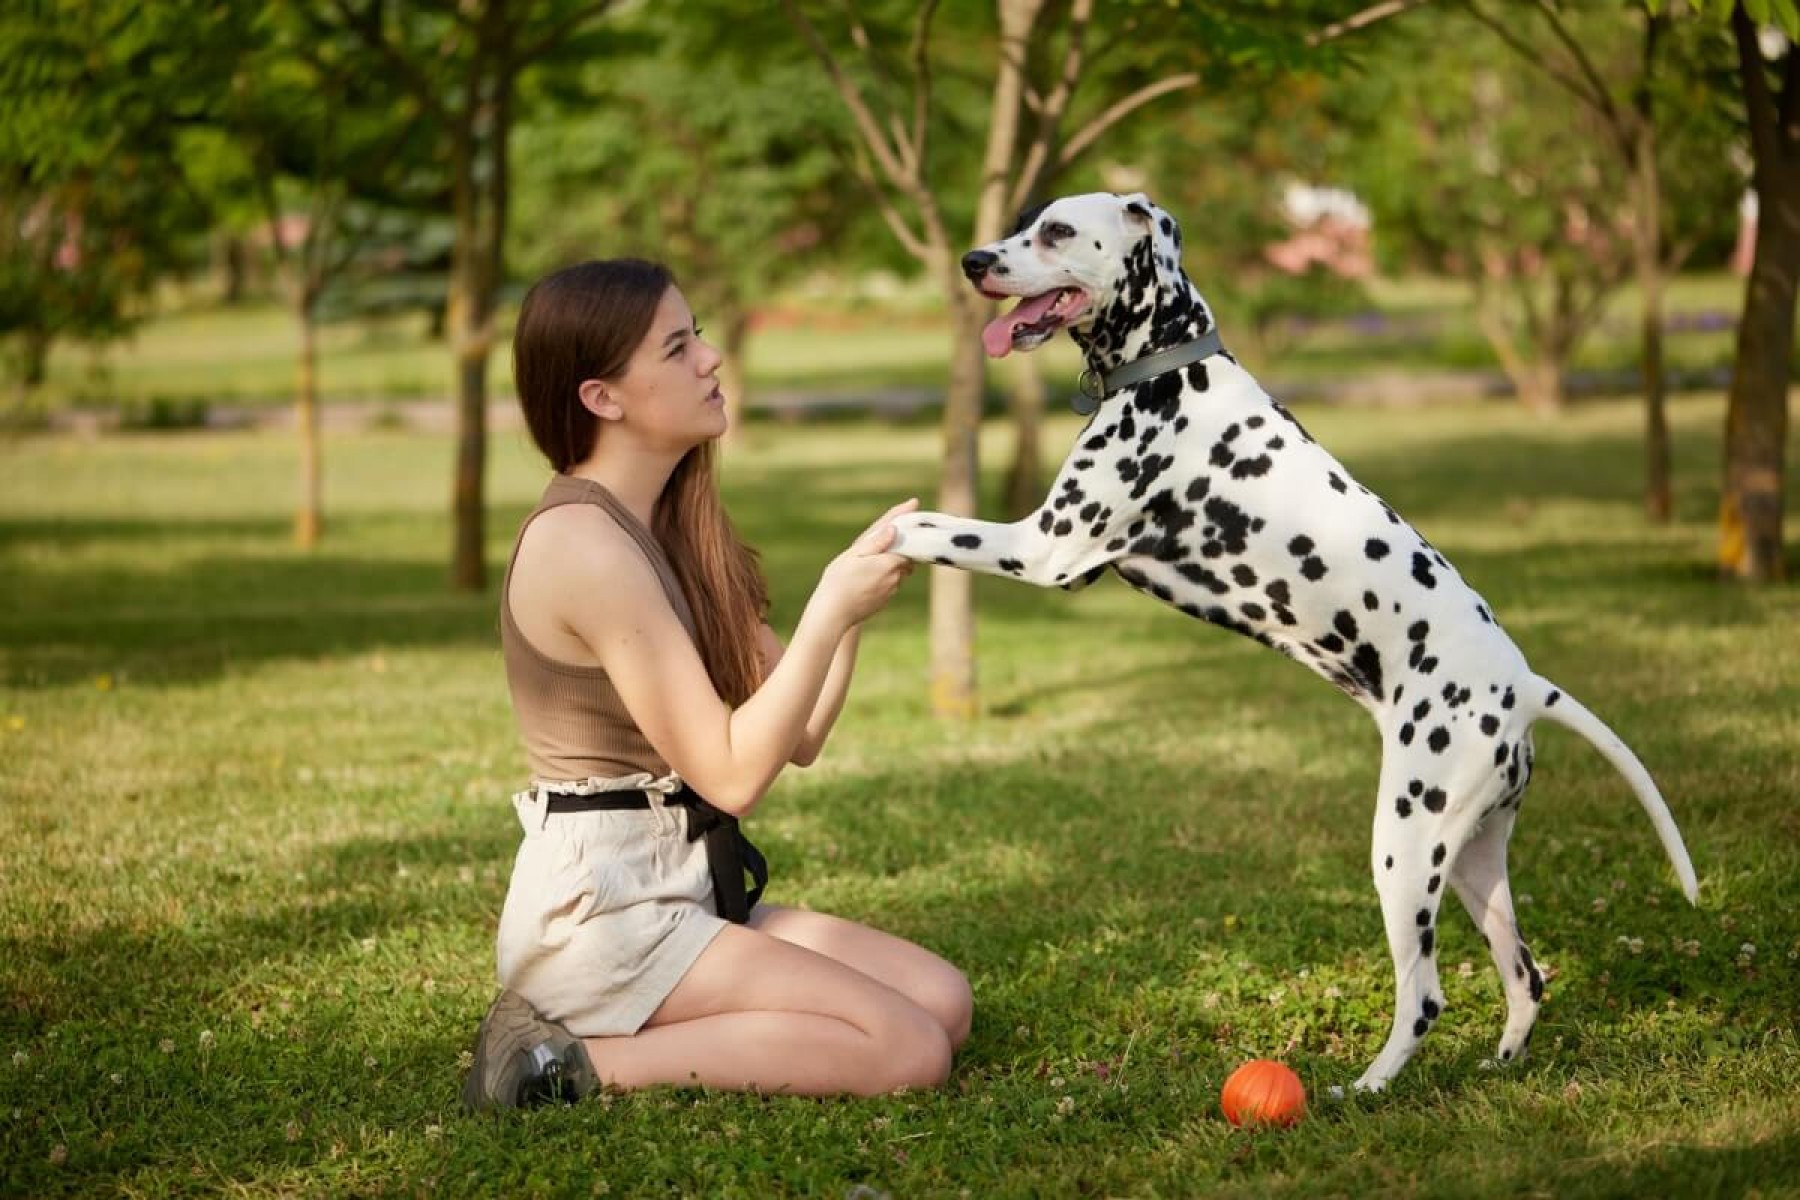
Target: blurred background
[320, 215]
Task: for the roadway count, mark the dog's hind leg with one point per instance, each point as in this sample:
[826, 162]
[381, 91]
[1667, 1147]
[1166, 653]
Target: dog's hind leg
[1479, 876]
[1418, 831]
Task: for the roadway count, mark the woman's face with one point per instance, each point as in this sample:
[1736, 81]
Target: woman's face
[669, 391]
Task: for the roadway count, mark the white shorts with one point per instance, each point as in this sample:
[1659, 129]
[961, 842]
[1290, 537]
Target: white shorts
[605, 913]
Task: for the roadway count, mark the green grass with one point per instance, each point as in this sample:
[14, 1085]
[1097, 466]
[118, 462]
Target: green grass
[253, 806]
[195, 354]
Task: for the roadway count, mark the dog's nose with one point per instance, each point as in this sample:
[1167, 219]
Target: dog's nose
[976, 262]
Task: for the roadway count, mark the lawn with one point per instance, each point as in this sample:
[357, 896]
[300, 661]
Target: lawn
[253, 805]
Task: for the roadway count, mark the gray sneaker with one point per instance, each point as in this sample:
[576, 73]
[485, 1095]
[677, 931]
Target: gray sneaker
[522, 1060]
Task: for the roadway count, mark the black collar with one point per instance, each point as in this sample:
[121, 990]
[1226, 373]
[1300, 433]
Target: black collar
[1095, 387]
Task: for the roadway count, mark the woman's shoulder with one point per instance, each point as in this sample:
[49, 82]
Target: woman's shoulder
[582, 541]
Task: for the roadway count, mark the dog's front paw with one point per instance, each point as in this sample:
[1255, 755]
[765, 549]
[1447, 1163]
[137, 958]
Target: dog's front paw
[913, 535]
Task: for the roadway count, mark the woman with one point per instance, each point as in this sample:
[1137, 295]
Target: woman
[644, 677]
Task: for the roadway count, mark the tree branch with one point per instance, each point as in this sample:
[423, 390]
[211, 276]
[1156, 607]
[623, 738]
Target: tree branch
[1602, 95]
[886, 156]
[562, 29]
[367, 25]
[1092, 131]
[922, 84]
[911, 242]
[1050, 115]
[1368, 16]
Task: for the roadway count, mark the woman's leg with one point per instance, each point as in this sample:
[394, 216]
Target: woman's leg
[915, 972]
[762, 1014]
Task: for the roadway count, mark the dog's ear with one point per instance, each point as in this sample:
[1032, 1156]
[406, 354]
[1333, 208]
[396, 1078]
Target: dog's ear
[1140, 213]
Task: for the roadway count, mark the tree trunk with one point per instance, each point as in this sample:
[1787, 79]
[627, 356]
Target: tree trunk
[1756, 420]
[732, 370]
[470, 346]
[1756, 417]
[308, 516]
[1647, 258]
[952, 617]
[1536, 380]
[1024, 482]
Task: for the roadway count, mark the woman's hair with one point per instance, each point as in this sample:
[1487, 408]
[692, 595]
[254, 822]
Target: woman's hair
[585, 322]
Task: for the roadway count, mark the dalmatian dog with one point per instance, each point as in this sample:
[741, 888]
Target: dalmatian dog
[1196, 487]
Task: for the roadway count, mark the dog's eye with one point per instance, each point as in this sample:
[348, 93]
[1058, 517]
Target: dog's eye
[1055, 231]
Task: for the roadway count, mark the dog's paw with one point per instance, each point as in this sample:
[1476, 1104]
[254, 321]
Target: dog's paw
[913, 533]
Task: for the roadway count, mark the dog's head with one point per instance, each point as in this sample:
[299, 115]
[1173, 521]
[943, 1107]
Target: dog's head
[1082, 263]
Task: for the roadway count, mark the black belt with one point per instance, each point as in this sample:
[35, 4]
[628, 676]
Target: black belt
[728, 852]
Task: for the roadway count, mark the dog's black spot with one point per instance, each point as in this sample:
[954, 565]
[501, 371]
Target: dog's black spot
[1254, 422]
[1552, 698]
[1440, 738]
[1421, 710]
[1252, 468]
[1421, 570]
[1337, 482]
[1243, 575]
[1426, 941]
[1376, 549]
[1011, 564]
[1313, 568]
[1406, 734]
[1390, 862]
[1403, 807]
[1301, 546]
[1423, 918]
[1418, 631]
[1437, 854]
[1366, 664]
[1430, 1009]
[1507, 699]
[1062, 528]
[1490, 724]
[1371, 602]
[966, 541]
[1434, 799]
[1345, 624]
[1277, 590]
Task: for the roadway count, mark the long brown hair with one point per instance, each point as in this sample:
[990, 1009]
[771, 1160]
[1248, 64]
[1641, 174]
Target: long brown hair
[585, 322]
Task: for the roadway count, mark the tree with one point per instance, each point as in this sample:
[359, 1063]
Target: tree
[322, 150]
[1474, 170]
[738, 190]
[94, 204]
[1634, 87]
[463, 62]
[1050, 97]
[1756, 422]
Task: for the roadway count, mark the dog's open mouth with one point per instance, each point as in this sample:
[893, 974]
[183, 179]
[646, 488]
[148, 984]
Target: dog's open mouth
[1033, 321]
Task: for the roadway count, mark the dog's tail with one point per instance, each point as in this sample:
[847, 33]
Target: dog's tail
[1563, 709]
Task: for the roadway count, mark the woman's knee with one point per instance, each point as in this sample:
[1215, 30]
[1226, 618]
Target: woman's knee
[912, 1051]
[948, 997]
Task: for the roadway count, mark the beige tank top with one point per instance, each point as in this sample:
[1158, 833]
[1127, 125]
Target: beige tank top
[574, 725]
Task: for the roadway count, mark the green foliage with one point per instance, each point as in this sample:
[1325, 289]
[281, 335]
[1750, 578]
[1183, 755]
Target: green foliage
[723, 169]
[257, 838]
[1783, 14]
[95, 202]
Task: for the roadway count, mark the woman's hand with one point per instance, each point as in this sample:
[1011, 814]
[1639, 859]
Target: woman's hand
[858, 583]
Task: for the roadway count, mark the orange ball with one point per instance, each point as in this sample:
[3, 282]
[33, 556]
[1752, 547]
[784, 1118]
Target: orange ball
[1263, 1092]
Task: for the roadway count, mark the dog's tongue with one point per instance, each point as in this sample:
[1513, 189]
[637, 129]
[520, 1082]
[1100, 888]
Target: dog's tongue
[997, 337]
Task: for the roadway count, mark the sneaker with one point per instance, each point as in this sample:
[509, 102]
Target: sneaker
[522, 1060]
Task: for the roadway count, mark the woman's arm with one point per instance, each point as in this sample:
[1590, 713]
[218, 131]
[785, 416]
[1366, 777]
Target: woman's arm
[831, 696]
[611, 599]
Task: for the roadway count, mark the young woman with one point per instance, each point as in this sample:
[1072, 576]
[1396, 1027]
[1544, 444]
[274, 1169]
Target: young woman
[644, 677]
